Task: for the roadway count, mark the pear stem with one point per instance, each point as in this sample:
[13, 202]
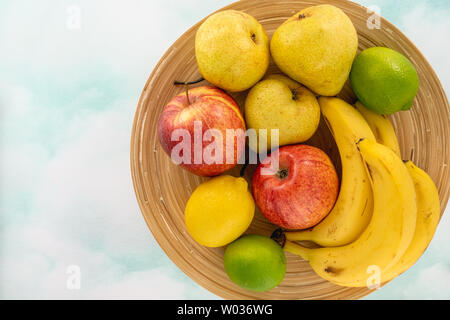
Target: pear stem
[244, 166]
[294, 94]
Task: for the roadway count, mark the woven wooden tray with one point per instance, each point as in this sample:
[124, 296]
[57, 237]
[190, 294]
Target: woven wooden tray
[162, 189]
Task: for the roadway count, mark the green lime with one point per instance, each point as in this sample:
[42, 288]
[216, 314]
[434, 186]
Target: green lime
[384, 80]
[255, 262]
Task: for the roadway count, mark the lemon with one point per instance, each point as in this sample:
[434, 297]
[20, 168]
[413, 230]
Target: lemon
[219, 211]
[384, 80]
[255, 262]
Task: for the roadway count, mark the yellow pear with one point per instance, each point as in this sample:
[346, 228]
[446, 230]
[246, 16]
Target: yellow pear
[232, 50]
[278, 102]
[316, 47]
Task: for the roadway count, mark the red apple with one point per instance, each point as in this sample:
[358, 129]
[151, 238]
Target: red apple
[300, 191]
[193, 132]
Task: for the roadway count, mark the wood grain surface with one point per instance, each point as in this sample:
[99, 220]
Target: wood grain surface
[162, 189]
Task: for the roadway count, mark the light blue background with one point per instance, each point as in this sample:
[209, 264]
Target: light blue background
[67, 100]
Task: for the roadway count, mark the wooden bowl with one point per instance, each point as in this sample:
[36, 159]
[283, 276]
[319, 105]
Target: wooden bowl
[162, 188]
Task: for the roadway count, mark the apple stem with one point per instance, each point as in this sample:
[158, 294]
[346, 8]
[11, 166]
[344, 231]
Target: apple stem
[186, 85]
[282, 173]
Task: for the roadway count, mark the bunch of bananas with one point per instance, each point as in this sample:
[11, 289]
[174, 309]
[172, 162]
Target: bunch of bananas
[387, 210]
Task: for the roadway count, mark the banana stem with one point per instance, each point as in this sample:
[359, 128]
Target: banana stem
[298, 235]
[279, 236]
[297, 249]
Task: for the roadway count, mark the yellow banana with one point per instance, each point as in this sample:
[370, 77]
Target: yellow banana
[381, 127]
[428, 214]
[428, 206]
[389, 233]
[353, 208]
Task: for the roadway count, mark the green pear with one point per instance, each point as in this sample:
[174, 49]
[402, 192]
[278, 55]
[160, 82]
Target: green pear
[232, 50]
[316, 47]
[278, 102]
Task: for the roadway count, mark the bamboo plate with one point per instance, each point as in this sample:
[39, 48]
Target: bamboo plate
[162, 189]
